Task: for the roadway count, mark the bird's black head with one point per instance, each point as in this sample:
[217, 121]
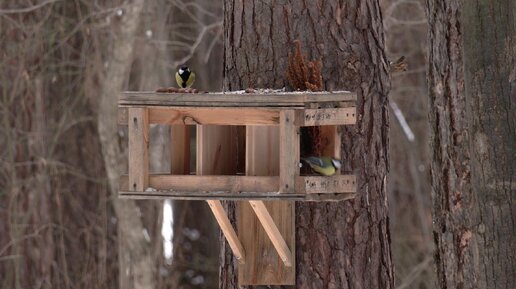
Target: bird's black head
[184, 69]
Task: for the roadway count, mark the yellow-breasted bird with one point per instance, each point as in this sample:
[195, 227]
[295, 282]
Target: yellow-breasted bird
[325, 166]
[184, 77]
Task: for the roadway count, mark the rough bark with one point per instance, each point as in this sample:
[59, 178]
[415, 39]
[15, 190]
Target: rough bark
[338, 245]
[136, 270]
[471, 92]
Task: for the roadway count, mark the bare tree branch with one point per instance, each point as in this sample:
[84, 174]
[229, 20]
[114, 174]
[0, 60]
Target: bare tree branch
[27, 9]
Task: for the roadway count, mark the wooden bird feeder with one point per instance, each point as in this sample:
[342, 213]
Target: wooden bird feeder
[259, 219]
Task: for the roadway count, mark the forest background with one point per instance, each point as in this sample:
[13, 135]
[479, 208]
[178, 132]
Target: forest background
[60, 224]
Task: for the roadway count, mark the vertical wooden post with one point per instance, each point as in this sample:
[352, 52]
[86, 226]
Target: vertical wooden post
[289, 151]
[263, 264]
[180, 149]
[138, 148]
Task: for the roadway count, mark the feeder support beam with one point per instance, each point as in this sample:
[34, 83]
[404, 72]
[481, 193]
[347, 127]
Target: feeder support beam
[272, 231]
[227, 229]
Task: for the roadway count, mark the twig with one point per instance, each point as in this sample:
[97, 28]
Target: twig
[27, 9]
[416, 271]
[403, 122]
[28, 236]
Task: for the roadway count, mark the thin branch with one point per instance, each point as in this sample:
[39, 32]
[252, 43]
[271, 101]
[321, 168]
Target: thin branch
[403, 122]
[212, 44]
[416, 271]
[27, 9]
[28, 236]
[197, 42]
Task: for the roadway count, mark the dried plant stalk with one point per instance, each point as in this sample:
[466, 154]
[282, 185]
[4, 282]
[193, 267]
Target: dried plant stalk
[303, 75]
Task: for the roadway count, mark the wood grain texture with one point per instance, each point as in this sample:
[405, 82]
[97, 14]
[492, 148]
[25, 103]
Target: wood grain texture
[232, 99]
[193, 183]
[262, 150]
[328, 116]
[227, 230]
[138, 149]
[217, 150]
[230, 196]
[331, 140]
[326, 185]
[273, 232]
[218, 154]
[187, 188]
[289, 151]
[266, 266]
[262, 159]
[205, 116]
[191, 115]
[179, 149]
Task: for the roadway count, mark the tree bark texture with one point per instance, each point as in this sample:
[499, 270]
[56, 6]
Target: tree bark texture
[473, 133]
[344, 244]
[136, 266]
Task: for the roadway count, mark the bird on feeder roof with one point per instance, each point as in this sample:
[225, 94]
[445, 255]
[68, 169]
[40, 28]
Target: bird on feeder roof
[184, 77]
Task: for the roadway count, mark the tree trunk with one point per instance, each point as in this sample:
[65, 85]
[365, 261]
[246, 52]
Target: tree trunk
[136, 267]
[345, 244]
[471, 79]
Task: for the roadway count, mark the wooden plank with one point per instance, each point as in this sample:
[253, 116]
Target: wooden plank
[204, 115]
[262, 150]
[326, 185]
[328, 116]
[244, 187]
[289, 151]
[233, 99]
[335, 149]
[242, 116]
[217, 150]
[213, 195]
[264, 265]
[214, 116]
[151, 103]
[138, 149]
[227, 230]
[238, 196]
[330, 139]
[180, 149]
[272, 231]
[192, 183]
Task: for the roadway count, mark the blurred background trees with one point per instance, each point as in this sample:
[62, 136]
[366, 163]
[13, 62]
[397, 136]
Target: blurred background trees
[410, 204]
[59, 227]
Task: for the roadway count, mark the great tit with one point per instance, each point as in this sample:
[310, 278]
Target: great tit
[184, 77]
[325, 166]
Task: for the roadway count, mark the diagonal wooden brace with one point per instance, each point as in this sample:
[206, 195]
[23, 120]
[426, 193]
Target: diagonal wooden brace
[227, 230]
[272, 231]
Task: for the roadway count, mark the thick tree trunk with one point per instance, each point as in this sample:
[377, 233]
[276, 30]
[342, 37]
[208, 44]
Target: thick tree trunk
[345, 244]
[136, 267]
[473, 130]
